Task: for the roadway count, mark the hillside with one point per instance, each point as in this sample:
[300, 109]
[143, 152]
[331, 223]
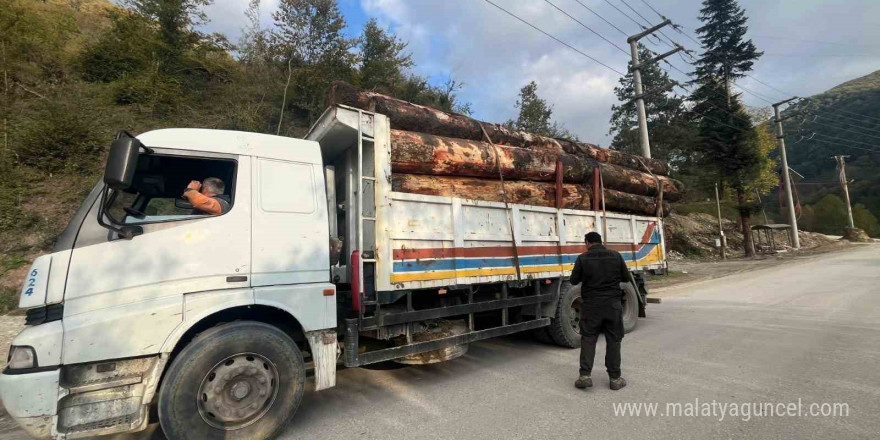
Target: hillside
[845, 120]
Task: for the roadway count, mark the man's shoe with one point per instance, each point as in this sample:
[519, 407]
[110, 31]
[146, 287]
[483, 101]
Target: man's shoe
[618, 383]
[584, 382]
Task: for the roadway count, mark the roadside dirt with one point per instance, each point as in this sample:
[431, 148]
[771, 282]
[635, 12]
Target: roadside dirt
[690, 271]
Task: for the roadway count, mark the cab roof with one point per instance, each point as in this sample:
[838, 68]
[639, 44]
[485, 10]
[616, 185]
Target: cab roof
[234, 142]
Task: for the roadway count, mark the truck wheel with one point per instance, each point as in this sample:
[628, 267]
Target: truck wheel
[630, 307]
[564, 327]
[237, 381]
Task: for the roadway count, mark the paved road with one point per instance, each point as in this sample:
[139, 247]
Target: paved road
[807, 330]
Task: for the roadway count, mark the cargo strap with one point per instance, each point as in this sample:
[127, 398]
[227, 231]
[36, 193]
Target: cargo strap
[604, 210]
[504, 199]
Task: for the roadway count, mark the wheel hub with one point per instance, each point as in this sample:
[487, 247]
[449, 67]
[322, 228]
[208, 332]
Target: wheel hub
[238, 391]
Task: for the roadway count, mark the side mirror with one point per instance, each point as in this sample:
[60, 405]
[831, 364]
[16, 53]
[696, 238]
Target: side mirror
[182, 204]
[122, 162]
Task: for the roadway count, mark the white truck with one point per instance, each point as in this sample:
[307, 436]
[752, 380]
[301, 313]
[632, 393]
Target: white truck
[144, 301]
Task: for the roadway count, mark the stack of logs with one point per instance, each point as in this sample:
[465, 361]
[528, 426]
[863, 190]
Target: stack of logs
[446, 154]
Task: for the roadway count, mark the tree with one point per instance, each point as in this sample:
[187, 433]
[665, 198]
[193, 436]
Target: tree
[729, 140]
[383, 59]
[253, 47]
[672, 132]
[534, 115]
[309, 39]
[176, 19]
[865, 220]
[830, 215]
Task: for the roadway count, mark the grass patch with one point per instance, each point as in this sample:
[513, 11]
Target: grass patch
[11, 262]
[8, 300]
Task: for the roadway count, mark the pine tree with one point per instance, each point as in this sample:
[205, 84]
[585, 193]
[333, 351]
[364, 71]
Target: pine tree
[534, 115]
[383, 59]
[672, 133]
[729, 140]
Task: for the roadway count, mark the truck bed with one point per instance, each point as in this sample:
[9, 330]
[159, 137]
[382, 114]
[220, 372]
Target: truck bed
[418, 241]
[441, 241]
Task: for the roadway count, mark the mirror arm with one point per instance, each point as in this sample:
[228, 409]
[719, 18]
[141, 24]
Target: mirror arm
[126, 232]
[125, 133]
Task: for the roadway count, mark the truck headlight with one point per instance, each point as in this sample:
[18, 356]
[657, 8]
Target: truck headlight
[21, 358]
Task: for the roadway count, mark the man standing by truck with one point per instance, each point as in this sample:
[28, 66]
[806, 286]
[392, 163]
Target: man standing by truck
[600, 271]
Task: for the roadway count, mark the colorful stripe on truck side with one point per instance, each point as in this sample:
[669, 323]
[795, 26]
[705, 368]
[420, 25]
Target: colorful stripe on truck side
[427, 264]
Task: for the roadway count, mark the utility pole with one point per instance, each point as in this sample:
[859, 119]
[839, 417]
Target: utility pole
[841, 165]
[636, 68]
[722, 240]
[786, 178]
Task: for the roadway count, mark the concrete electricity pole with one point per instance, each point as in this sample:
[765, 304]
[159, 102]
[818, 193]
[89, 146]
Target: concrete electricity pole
[722, 239]
[786, 179]
[841, 165]
[636, 68]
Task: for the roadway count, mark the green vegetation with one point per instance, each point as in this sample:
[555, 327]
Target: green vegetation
[73, 73]
[534, 115]
[836, 117]
[673, 130]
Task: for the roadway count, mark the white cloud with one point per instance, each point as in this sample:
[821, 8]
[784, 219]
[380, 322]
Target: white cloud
[495, 55]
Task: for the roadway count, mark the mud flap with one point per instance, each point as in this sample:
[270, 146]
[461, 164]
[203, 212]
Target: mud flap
[325, 351]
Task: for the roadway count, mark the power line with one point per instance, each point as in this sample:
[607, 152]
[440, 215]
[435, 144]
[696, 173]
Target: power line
[603, 18]
[652, 8]
[843, 145]
[813, 122]
[588, 28]
[849, 140]
[625, 14]
[643, 18]
[556, 39]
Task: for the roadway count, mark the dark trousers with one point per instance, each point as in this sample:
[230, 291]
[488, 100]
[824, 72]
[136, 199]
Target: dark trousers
[607, 319]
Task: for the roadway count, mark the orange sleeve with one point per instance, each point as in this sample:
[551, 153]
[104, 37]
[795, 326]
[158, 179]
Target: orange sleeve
[203, 203]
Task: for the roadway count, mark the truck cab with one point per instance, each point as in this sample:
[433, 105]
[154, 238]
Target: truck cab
[138, 273]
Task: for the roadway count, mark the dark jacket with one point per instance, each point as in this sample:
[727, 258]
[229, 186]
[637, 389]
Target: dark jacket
[600, 271]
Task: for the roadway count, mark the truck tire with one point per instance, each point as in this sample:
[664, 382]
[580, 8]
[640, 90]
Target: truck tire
[630, 307]
[564, 326]
[237, 381]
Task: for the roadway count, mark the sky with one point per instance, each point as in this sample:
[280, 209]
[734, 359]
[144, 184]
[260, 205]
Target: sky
[809, 46]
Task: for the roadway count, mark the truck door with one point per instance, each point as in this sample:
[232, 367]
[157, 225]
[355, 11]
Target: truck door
[123, 297]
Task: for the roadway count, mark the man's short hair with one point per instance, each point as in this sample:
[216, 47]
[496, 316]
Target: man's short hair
[593, 238]
[214, 185]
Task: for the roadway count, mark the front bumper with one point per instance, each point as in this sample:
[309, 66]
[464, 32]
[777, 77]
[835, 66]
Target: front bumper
[84, 400]
[32, 400]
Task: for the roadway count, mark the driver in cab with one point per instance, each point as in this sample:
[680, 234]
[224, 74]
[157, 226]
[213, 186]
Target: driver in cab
[207, 197]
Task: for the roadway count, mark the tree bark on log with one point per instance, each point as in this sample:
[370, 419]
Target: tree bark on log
[517, 191]
[413, 117]
[524, 193]
[419, 153]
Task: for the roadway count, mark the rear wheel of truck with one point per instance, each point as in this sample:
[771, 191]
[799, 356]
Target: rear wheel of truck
[630, 307]
[237, 381]
[564, 327]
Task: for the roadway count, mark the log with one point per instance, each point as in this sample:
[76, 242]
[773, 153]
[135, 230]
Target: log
[413, 117]
[618, 201]
[517, 191]
[524, 193]
[419, 153]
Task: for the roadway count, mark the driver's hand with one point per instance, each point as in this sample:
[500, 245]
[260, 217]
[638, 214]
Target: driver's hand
[194, 185]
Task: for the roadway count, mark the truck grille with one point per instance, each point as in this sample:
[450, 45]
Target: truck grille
[44, 314]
